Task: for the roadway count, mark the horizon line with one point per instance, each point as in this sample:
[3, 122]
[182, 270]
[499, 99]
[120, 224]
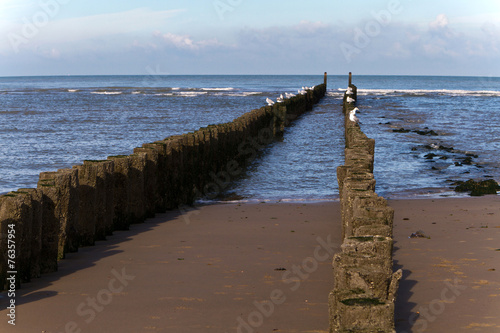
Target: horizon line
[160, 75]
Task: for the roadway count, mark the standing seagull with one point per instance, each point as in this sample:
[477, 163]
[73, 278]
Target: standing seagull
[352, 116]
[350, 100]
[349, 91]
[269, 101]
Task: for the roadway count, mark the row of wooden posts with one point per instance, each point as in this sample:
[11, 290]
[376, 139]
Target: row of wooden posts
[76, 207]
[363, 296]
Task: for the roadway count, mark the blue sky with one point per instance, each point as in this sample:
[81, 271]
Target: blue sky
[407, 37]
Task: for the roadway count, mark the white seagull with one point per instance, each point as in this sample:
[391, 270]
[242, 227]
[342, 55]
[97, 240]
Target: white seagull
[352, 116]
[287, 95]
[302, 92]
[350, 100]
[280, 99]
[269, 101]
[349, 91]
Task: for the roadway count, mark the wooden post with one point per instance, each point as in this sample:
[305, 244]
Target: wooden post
[326, 78]
[350, 79]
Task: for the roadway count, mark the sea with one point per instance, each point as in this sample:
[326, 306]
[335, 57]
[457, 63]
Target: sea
[430, 131]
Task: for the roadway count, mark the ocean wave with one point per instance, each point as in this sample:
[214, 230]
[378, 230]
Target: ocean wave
[217, 89]
[192, 93]
[239, 94]
[426, 92]
[165, 94]
[107, 92]
[73, 90]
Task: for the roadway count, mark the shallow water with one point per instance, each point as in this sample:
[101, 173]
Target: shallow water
[47, 123]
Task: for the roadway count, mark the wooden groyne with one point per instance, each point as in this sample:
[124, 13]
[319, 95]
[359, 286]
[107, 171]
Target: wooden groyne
[363, 296]
[76, 207]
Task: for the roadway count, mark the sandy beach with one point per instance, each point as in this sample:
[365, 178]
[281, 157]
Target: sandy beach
[266, 267]
[451, 280]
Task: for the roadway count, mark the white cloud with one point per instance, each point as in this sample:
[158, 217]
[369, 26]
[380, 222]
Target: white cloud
[441, 21]
[185, 42]
[97, 29]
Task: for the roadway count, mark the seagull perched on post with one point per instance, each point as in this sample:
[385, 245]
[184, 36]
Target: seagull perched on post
[350, 100]
[269, 101]
[352, 116]
[349, 91]
[287, 95]
[280, 99]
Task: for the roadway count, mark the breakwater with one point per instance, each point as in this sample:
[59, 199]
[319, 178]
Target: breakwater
[76, 207]
[364, 292]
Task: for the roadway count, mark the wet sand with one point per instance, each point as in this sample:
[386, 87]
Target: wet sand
[253, 267]
[266, 267]
[451, 281]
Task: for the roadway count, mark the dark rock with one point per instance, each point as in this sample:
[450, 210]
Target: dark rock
[401, 130]
[467, 161]
[426, 132]
[419, 234]
[458, 164]
[448, 149]
[430, 156]
[478, 188]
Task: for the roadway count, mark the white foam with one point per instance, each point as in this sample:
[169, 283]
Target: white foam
[239, 94]
[192, 93]
[423, 92]
[72, 90]
[217, 89]
[107, 92]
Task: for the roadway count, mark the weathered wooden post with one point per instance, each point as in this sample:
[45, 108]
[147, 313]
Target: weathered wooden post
[350, 79]
[325, 78]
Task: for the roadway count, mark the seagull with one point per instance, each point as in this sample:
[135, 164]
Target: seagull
[350, 100]
[352, 117]
[302, 92]
[355, 110]
[349, 91]
[287, 95]
[280, 99]
[269, 101]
